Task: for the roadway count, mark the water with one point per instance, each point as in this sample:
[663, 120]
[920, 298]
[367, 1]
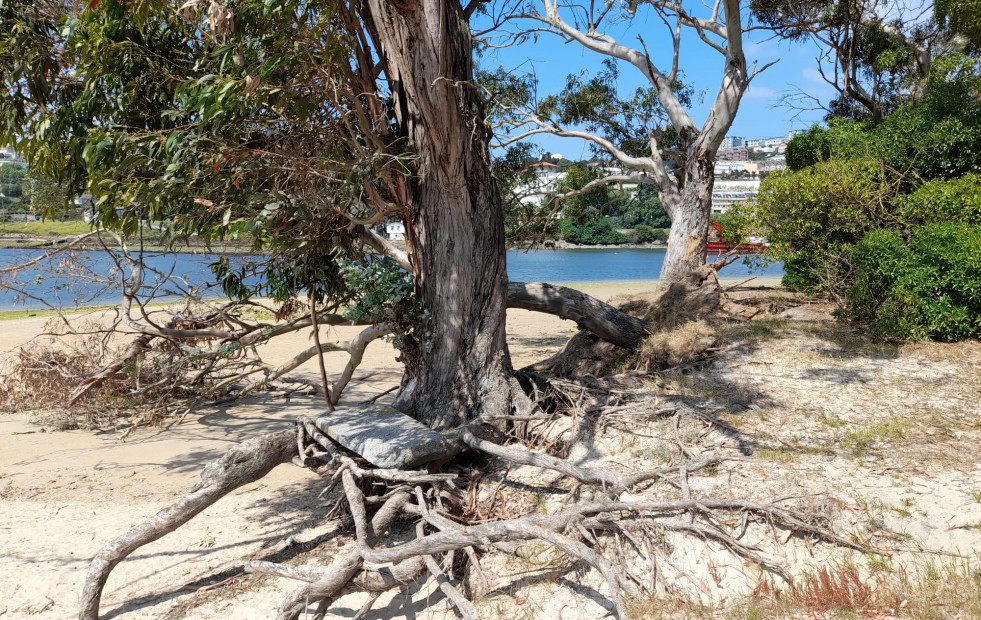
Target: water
[67, 280]
[606, 265]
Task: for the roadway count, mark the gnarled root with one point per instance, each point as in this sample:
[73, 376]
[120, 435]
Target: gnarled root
[585, 355]
[245, 463]
[577, 530]
[599, 533]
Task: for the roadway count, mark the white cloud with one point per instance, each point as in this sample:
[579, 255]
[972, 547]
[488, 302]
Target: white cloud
[813, 75]
[760, 92]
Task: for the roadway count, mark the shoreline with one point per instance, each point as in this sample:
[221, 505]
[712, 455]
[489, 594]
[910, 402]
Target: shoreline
[40, 242]
[602, 289]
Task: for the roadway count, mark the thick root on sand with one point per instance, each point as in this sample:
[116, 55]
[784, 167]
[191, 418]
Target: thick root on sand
[420, 524]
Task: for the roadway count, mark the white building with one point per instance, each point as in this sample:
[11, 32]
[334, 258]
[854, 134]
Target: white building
[395, 231]
[728, 167]
[546, 181]
[733, 142]
[726, 194]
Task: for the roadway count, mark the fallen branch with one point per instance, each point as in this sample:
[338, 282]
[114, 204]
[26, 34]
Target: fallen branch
[601, 319]
[245, 463]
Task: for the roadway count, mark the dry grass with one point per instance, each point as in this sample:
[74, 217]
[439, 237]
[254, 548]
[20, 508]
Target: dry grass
[932, 592]
[40, 379]
[674, 347]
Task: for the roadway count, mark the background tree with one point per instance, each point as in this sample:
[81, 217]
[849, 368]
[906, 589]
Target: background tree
[650, 134]
[877, 54]
[297, 125]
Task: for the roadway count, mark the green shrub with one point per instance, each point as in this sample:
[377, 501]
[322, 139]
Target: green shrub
[649, 234]
[592, 232]
[957, 200]
[813, 217]
[842, 139]
[926, 287]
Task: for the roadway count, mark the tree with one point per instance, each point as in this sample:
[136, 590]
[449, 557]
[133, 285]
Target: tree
[211, 123]
[651, 135]
[877, 54]
[298, 124]
[644, 208]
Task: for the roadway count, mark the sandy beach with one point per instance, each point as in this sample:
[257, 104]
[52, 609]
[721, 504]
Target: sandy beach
[65, 494]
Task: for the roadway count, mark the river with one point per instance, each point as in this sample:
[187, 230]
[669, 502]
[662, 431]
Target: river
[67, 280]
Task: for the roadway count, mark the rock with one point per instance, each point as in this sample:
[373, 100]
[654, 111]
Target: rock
[384, 436]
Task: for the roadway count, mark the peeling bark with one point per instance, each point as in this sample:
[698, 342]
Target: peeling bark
[458, 368]
[690, 220]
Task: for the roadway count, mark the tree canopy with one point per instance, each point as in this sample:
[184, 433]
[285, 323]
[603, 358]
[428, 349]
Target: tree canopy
[264, 122]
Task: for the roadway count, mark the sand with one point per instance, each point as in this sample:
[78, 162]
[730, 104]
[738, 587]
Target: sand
[63, 495]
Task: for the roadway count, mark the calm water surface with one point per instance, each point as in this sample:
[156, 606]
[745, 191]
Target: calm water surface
[606, 265]
[63, 282]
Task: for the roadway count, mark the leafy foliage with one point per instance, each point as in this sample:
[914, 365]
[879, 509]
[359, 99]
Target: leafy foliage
[259, 121]
[957, 200]
[880, 51]
[386, 295]
[592, 232]
[594, 103]
[961, 17]
[814, 216]
[647, 234]
[644, 209]
[926, 287]
[885, 217]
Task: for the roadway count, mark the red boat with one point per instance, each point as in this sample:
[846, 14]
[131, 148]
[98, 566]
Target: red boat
[716, 245]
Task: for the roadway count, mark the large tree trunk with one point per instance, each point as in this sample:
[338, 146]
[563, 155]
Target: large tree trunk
[459, 367]
[690, 213]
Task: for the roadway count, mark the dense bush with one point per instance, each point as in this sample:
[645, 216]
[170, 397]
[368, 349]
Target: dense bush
[813, 217]
[926, 287]
[647, 234]
[644, 208]
[591, 232]
[956, 200]
[886, 218]
[936, 137]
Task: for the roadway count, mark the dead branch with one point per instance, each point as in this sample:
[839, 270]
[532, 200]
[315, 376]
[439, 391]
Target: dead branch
[135, 348]
[247, 462]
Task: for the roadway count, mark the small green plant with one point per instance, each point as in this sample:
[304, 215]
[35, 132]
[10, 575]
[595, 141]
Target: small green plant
[878, 563]
[832, 422]
[386, 294]
[860, 442]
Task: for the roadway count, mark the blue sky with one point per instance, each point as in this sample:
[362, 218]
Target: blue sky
[552, 60]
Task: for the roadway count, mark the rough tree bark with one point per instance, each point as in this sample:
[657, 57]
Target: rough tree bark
[601, 319]
[459, 368]
[690, 217]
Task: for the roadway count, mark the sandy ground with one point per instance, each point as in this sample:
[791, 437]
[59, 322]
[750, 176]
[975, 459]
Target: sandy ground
[56, 488]
[817, 412]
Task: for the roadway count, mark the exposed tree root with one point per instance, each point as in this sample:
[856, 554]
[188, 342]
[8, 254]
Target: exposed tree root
[681, 321]
[245, 463]
[616, 537]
